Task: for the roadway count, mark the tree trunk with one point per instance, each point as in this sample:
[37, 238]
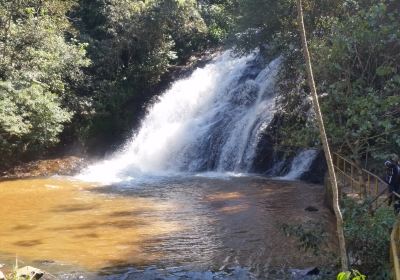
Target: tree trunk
[361, 181]
[14, 6]
[324, 139]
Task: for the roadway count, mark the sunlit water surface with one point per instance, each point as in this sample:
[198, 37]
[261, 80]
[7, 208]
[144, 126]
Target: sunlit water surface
[200, 223]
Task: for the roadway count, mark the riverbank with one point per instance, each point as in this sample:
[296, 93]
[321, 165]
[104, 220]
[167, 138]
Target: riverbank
[63, 166]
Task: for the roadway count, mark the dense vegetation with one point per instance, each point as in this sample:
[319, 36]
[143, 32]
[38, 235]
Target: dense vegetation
[39, 70]
[368, 238]
[78, 71]
[354, 46]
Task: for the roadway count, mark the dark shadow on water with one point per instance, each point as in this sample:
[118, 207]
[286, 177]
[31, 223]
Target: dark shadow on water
[94, 225]
[24, 227]
[28, 243]
[73, 208]
[126, 213]
[87, 235]
[118, 267]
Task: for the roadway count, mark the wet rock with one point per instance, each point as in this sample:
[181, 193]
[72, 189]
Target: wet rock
[304, 274]
[311, 209]
[2, 276]
[78, 276]
[234, 273]
[45, 262]
[314, 271]
[267, 158]
[253, 68]
[67, 166]
[317, 170]
[245, 94]
[30, 272]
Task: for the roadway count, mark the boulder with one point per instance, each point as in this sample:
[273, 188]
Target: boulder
[311, 209]
[304, 274]
[30, 273]
[2, 276]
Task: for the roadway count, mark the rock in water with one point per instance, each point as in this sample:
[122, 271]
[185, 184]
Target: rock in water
[304, 274]
[311, 209]
[2, 277]
[246, 94]
[30, 273]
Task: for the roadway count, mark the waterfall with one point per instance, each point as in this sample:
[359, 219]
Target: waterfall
[300, 164]
[210, 121]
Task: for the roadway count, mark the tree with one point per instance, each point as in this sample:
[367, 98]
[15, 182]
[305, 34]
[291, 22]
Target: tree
[324, 139]
[133, 44]
[359, 69]
[356, 63]
[31, 118]
[40, 67]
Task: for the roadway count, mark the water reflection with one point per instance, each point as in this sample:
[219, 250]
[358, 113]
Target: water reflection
[71, 224]
[201, 223]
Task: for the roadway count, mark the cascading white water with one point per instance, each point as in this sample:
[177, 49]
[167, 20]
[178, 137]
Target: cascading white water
[300, 164]
[210, 121]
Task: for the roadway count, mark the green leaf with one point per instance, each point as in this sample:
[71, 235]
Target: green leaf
[385, 70]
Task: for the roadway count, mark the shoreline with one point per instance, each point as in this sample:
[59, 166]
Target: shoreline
[63, 166]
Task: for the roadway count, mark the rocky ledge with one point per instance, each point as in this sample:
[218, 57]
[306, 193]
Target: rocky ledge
[64, 166]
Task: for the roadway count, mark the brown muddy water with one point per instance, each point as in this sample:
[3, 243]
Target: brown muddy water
[192, 223]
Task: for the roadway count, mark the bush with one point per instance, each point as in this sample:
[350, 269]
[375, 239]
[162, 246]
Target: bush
[368, 238]
[351, 275]
[31, 119]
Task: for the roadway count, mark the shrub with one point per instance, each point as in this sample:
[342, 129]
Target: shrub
[368, 238]
[351, 275]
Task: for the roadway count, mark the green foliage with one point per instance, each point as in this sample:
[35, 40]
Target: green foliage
[34, 48]
[272, 25]
[39, 68]
[358, 67]
[354, 47]
[133, 44]
[263, 21]
[14, 275]
[97, 60]
[220, 18]
[136, 42]
[368, 238]
[31, 119]
[351, 275]
[311, 236]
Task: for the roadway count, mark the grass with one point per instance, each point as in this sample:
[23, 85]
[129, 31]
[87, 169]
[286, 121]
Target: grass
[14, 275]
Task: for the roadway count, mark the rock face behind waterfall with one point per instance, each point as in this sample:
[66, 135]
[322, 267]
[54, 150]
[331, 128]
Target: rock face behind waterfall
[272, 160]
[317, 171]
[267, 157]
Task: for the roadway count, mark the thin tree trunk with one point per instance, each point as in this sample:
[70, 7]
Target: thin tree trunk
[14, 6]
[5, 36]
[336, 207]
[361, 181]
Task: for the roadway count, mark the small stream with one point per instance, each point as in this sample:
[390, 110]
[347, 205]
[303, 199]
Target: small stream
[206, 226]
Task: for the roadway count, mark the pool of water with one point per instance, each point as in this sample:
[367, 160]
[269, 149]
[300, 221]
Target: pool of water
[159, 226]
